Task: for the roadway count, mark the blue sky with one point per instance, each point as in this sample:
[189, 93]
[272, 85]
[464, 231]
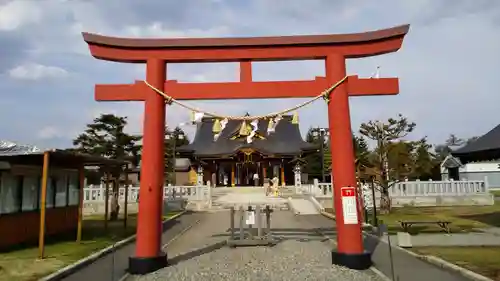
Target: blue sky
[448, 66]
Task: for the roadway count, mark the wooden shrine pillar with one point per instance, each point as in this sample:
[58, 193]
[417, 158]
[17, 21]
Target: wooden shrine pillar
[81, 186]
[148, 253]
[282, 174]
[125, 205]
[107, 176]
[232, 173]
[349, 239]
[43, 204]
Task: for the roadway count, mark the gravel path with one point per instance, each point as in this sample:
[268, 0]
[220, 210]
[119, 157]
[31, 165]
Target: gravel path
[406, 266]
[302, 254]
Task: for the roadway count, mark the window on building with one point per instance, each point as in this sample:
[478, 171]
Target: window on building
[61, 191]
[51, 192]
[30, 187]
[73, 190]
[10, 194]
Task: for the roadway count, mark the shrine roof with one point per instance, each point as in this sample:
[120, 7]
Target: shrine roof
[285, 141]
[31, 155]
[296, 40]
[487, 147]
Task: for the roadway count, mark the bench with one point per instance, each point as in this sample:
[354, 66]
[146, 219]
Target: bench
[444, 225]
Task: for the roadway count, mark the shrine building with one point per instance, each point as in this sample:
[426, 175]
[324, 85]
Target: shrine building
[232, 156]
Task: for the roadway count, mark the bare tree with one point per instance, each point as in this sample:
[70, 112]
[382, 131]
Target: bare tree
[384, 133]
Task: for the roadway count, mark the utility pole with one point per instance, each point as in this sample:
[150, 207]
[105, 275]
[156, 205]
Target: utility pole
[384, 159]
[320, 134]
[173, 138]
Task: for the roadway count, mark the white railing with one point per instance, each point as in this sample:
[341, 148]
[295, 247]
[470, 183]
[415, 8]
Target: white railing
[409, 188]
[96, 193]
[316, 189]
[433, 188]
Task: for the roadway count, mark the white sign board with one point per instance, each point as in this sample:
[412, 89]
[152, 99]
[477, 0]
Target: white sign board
[250, 218]
[349, 207]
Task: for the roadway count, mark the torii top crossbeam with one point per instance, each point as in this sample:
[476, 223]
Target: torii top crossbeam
[244, 50]
[355, 45]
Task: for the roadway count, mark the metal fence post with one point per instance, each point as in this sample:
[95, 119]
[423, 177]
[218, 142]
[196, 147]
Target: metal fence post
[259, 221]
[242, 221]
[268, 220]
[231, 219]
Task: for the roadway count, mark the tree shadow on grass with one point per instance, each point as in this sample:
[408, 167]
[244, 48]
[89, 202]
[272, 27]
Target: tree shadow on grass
[492, 218]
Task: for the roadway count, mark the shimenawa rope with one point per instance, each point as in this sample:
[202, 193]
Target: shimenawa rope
[325, 94]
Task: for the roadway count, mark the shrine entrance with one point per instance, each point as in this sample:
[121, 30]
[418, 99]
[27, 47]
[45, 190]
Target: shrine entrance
[248, 168]
[335, 88]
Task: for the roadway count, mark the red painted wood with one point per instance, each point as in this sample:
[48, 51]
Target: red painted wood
[349, 238]
[149, 227]
[247, 90]
[366, 49]
[335, 52]
[58, 220]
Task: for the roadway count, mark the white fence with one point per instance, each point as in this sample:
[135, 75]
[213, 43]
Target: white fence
[414, 193]
[409, 188]
[96, 193]
[445, 188]
[317, 189]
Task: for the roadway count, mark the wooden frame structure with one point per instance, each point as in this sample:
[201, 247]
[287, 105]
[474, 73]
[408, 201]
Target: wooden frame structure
[156, 53]
[68, 217]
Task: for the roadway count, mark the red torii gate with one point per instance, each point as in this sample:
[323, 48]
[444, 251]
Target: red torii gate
[156, 53]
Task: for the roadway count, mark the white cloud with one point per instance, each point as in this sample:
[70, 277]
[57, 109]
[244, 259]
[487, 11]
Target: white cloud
[16, 14]
[34, 71]
[49, 132]
[157, 29]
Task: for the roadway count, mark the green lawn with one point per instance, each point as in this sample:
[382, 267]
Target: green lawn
[23, 265]
[463, 218]
[495, 192]
[482, 260]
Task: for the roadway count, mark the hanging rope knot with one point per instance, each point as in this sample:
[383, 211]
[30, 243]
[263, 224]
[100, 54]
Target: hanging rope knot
[326, 96]
[169, 100]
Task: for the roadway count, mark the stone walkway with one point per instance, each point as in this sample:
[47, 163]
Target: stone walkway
[112, 267]
[301, 206]
[492, 230]
[248, 196]
[406, 266]
[456, 239]
[302, 254]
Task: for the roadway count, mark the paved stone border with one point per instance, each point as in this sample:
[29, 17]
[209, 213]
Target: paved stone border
[328, 215]
[372, 268]
[449, 266]
[164, 247]
[439, 262]
[67, 270]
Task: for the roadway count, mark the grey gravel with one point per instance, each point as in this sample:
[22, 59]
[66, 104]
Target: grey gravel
[289, 260]
[301, 255]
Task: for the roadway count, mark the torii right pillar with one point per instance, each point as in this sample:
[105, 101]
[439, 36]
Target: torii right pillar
[349, 250]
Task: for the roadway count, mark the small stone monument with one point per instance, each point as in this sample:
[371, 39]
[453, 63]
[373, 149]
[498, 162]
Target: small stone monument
[297, 175]
[404, 240]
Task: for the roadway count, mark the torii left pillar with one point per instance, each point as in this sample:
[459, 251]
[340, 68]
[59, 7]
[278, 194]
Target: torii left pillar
[148, 255]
